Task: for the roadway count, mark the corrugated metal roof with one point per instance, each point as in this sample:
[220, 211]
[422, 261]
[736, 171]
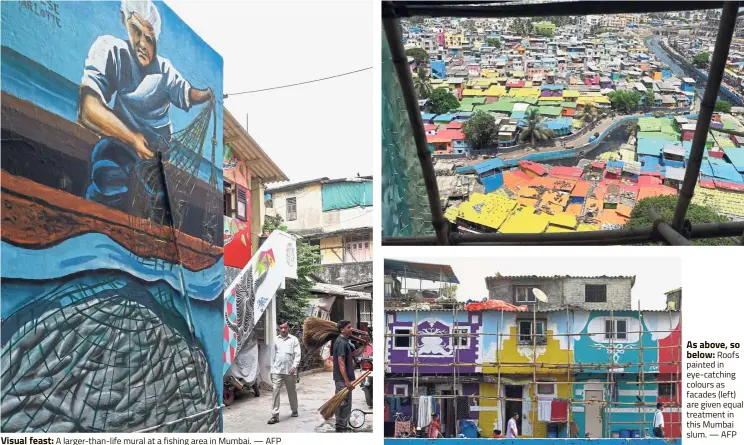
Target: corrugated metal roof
[424, 271]
[556, 277]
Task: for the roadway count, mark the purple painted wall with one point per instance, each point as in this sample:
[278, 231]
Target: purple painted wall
[433, 351]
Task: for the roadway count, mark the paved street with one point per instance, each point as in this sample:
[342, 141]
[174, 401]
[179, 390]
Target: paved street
[250, 414]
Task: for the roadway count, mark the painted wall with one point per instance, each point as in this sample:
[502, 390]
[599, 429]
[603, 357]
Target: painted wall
[310, 214]
[237, 242]
[331, 250]
[435, 354]
[94, 292]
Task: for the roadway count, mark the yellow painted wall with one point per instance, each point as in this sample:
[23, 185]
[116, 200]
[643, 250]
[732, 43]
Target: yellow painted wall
[510, 353]
[331, 250]
[539, 429]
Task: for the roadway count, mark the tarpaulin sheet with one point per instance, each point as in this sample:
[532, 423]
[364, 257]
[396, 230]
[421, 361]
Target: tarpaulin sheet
[499, 305]
[345, 195]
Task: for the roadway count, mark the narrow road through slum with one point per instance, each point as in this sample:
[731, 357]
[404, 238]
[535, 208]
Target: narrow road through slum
[249, 414]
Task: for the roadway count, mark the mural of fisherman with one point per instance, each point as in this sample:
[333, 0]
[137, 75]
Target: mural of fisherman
[125, 96]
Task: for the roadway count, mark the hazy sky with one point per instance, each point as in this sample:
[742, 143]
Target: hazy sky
[310, 131]
[654, 276]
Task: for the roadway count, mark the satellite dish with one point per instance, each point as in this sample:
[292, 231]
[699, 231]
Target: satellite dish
[540, 295]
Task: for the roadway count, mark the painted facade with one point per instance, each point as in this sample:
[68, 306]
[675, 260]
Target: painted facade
[95, 291]
[643, 355]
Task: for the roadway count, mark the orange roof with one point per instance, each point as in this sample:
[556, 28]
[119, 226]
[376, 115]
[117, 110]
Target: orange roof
[663, 190]
[455, 125]
[624, 210]
[568, 112]
[514, 179]
[527, 202]
[581, 188]
[610, 216]
[534, 167]
[574, 209]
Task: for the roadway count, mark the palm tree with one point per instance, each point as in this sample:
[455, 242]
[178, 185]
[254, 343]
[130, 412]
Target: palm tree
[421, 83]
[535, 128]
[589, 113]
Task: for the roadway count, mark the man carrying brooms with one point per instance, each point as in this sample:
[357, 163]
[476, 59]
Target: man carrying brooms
[343, 372]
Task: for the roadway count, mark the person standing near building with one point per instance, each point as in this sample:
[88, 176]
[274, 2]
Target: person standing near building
[659, 420]
[433, 428]
[511, 427]
[286, 356]
[343, 372]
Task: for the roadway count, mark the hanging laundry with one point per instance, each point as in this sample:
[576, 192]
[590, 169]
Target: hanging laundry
[424, 410]
[544, 410]
[558, 410]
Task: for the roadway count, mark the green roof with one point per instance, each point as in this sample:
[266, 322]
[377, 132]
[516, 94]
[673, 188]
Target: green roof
[568, 104]
[523, 100]
[658, 135]
[467, 103]
[549, 111]
[496, 106]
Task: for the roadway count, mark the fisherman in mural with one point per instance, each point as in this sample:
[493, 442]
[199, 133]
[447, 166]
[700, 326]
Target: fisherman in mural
[285, 361]
[142, 86]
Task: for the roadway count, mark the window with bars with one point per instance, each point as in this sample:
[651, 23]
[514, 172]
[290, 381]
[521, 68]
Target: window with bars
[461, 338]
[292, 209]
[365, 311]
[526, 331]
[616, 329]
[668, 390]
[242, 207]
[595, 293]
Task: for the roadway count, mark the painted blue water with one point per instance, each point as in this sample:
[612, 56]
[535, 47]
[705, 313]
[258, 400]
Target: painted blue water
[98, 252]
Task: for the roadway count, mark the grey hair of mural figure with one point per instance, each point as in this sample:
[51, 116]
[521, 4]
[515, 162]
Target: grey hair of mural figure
[146, 10]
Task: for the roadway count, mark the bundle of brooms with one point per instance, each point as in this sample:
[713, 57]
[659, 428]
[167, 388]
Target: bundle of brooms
[329, 408]
[317, 332]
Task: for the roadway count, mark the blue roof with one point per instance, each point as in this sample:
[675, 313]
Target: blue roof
[672, 163]
[649, 163]
[517, 114]
[482, 167]
[427, 116]
[558, 124]
[736, 155]
[447, 117]
[650, 146]
[705, 168]
[551, 87]
[616, 164]
[492, 182]
[727, 172]
[493, 36]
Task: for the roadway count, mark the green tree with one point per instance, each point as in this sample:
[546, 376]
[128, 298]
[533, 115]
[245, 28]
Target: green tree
[665, 206]
[494, 43]
[422, 84]
[624, 100]
[481, 130]
[701, 60]
[723, 106]
[588, 113]
[419, 55]
[650, 98]
[292, 302]
[442, 101]
[631, 128]
[535, 128]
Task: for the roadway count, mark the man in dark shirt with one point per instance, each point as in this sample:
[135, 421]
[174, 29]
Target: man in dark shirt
[343, 372]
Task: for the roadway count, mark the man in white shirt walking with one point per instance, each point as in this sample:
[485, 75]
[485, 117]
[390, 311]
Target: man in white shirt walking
[285, 360]
[659, 420]
[511, 427]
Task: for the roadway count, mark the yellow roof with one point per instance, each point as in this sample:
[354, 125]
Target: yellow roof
[554, 229]
[524, 220]
[593, 100]
[435, 81]
[495, 90]
[570, 93]
[627, 154]
[721, 201]
[495, 208]
[586, 227]
[471, 92]
[577, 123]
[450, 214]
[485, 82]
[551, 99]
[591, 94]
[564, 220]
[525, 92]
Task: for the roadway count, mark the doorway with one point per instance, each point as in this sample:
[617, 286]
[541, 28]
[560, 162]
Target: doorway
[513, 406]
[593, 412]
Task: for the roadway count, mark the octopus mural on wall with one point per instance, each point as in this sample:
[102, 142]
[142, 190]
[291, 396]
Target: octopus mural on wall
[112, 272]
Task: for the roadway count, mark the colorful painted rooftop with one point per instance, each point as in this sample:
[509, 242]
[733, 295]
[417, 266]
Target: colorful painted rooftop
[601, 194]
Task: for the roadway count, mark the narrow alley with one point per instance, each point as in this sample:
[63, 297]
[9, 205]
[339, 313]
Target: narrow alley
[250, 414]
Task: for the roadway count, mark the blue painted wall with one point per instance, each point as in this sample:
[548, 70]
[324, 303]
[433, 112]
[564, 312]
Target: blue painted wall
[128, 333]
